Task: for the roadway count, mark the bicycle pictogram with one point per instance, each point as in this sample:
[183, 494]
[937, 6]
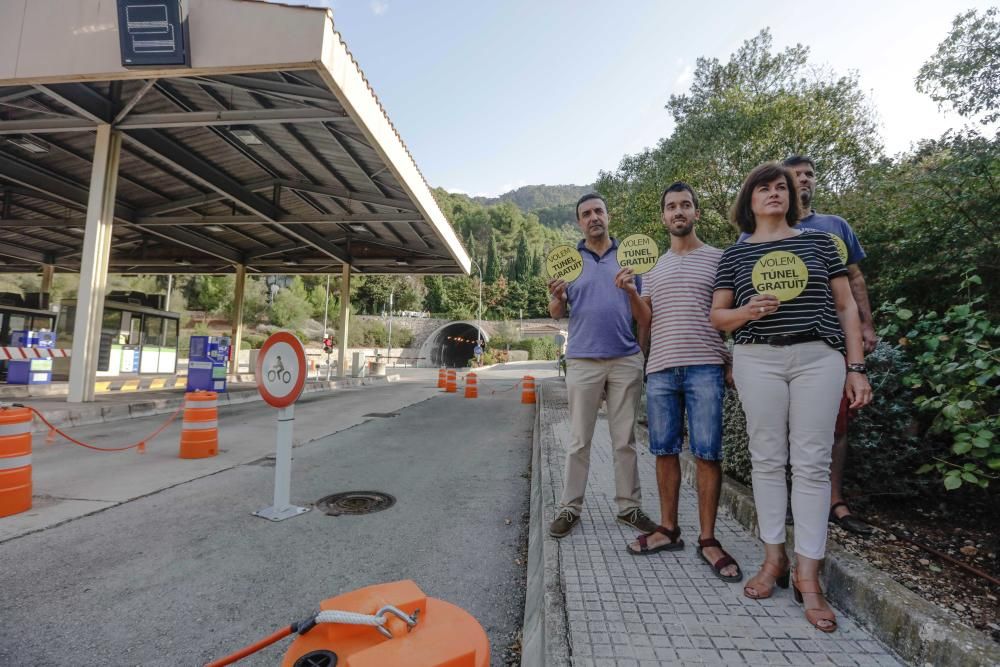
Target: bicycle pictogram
[278, 372]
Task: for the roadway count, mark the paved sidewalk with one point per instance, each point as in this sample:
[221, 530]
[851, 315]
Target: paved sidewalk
[668, 608]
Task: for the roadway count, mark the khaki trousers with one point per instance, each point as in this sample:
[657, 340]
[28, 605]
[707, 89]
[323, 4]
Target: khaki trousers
[791, 396]
[587, 381]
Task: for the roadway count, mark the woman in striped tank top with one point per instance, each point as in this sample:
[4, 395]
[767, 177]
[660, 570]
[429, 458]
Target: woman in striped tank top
[784, 295]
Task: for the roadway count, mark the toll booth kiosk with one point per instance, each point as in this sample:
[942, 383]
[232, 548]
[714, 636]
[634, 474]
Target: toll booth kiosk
[137, 335]
[31, 371]
[28, 313]
[207, 363]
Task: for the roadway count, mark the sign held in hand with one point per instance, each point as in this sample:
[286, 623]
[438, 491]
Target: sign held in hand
[638, 252]
[564, 262]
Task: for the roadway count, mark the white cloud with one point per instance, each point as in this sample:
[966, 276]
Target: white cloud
[379, 7]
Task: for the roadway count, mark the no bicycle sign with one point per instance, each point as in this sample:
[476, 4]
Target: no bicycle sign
[281, 369]
[281, 374]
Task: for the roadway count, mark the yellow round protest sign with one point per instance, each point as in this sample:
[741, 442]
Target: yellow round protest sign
[638, 252]
[780, 273]
[841, 248]
[565, 262]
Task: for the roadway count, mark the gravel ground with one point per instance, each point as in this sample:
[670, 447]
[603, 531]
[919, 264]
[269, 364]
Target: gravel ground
[973, 540]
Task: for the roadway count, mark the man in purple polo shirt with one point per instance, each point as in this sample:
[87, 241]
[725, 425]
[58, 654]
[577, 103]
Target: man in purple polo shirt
[603, 360]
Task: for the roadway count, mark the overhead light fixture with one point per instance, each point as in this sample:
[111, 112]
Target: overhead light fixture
[291, 262]
[246, 136]
[182, 262]
[356, 227]
[403, 262]
[213, 228]
[30, 144]
[76, 230]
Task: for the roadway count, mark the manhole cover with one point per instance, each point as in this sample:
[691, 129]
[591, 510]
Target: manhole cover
[355, 502]
[382, 415]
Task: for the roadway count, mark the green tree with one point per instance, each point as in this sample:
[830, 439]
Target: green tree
[209, 293]
[522, 260]
[758, 106]
[963, 70]
[436, 299]
[929, 219]
[254, 301]
[492, 270]
[291, 307]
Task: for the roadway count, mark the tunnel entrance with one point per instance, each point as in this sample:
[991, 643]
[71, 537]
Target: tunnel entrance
[452, 345]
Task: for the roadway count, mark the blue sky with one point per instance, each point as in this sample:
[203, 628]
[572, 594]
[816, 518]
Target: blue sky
[491, 95]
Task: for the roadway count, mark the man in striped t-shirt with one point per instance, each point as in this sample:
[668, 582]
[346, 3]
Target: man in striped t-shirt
[686, 373]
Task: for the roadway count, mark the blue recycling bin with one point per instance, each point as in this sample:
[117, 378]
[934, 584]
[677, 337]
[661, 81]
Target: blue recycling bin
[207, 363]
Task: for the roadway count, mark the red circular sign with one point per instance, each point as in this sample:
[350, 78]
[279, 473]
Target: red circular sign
[280, 381]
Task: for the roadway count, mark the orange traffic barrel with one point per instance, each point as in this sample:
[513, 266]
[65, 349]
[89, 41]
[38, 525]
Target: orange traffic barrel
[471, 386]
[200, 428]
[443, 635]
[451, 386]
[528, 390]
[442, 378]
[15, 460]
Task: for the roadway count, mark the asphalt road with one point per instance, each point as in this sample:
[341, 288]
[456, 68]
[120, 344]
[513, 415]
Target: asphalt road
[185, 575]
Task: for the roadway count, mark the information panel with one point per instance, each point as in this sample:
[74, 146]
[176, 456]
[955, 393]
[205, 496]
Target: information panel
[153, 33]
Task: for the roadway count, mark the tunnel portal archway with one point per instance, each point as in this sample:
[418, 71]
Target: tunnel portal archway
[452, 345]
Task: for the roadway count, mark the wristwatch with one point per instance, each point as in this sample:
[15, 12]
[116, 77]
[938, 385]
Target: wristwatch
[857, 368]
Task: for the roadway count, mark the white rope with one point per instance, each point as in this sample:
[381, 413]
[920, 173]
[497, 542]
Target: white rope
[377, 621]
[349, 618]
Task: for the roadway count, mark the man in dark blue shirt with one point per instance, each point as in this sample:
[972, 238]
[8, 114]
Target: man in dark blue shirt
[851, 253]
[602, 359]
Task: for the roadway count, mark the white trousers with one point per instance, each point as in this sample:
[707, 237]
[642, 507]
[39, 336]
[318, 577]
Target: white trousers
[791, 396]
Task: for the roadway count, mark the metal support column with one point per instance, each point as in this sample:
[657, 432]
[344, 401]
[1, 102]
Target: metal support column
[345, 316]
[94, 265]
[48, 272]
[237, 338]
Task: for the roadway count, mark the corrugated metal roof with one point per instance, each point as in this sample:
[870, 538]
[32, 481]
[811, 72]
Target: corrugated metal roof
[266, 168]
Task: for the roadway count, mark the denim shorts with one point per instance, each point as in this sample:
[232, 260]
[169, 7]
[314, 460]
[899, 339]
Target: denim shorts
[697, 390]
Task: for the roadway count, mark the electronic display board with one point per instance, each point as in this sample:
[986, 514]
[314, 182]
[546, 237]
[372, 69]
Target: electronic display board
[153, 33]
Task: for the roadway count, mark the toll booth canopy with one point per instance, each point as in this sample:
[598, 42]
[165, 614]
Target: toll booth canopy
[258, 147]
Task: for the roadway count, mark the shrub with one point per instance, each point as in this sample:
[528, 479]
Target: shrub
[253, 341]
[954, 377]
[290, 309]
[884, 451]
[537, 348]
[735, 451]
[401, 337]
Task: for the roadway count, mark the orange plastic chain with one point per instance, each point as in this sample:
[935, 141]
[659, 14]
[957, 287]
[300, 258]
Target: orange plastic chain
[139, 446]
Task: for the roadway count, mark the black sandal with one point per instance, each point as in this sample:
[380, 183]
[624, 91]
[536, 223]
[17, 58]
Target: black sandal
[674, 544]
[725, 561]
[849, 522]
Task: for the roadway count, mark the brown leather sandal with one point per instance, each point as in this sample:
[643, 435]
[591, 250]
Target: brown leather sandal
[780, 579]
[722, 563]
[815, 615]
[674, 544]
